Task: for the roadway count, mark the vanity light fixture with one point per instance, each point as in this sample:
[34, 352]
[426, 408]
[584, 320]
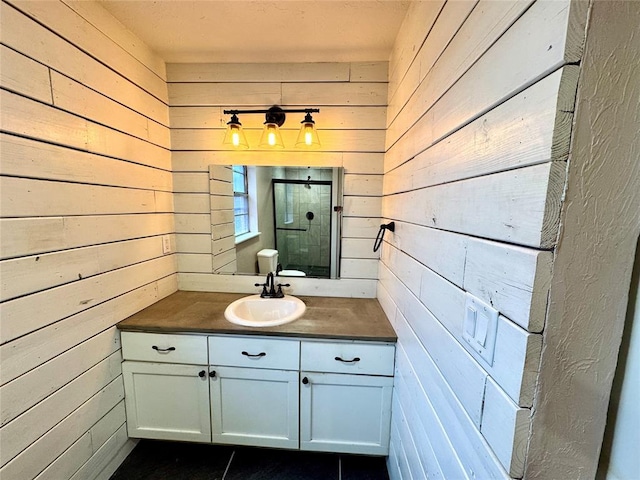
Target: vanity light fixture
[308, 136]
[235, 135]
[271, 137]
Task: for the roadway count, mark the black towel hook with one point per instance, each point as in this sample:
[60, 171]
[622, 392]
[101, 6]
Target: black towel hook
[391, 226]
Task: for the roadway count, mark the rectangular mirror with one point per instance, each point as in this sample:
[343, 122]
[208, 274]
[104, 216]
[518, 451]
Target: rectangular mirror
[272, 218]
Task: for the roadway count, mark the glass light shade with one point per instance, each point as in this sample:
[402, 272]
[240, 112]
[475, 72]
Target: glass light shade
[235, 136]
[308, 136]
[271, 137]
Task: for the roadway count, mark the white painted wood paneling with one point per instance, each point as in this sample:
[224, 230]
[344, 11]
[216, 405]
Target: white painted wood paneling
[491, 207]
[29, 389]
[25, 275]
[68, 24]
[414, 463]
[365, 163]
[456, 365]
[193, 243]
[438, 68]
[73, 97]
[41, 44]
[86, 194]
[27, 236]
[334, 94]
[118, 33]
[258, 72]
[25, 429]
[25, 117]
[525, 47]
[474, 454]
[481, 102]
[26, 314]
[506, 427]
[22, 75]
[346, 287]
[437, 454]
[244, 94]
[402, 85]
[46, 198]
[443, 252]
[514, 280]
[361, 206]
[106, 459]
[28, 352]
[518, 133]
[49, 446]
[369, 72]
[22, 157]
[416, 26]
[516, 351]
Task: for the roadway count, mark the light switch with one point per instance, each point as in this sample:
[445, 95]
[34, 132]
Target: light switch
[166, 244]
[470, 322]
[480, 327]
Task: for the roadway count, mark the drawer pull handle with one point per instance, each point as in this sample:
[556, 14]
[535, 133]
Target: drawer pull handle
[202, 373]
[354, 360]
[158, 349]
[212, 374]
[254, 355]
[305, 380]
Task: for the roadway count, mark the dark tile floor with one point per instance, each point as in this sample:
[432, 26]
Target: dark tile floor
[157, 460]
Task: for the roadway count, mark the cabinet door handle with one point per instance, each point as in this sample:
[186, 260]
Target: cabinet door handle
[158, 349]
[212, 374]
[305, 380]
[254, 355]
[202, 373]
[353, 360]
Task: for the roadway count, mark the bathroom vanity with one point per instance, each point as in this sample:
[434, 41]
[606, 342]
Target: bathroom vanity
[323, 382]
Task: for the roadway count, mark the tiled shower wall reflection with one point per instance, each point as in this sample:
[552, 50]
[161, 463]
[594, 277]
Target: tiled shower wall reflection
[303, 220]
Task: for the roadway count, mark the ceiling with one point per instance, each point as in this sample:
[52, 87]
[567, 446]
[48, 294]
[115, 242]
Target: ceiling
[261, 31]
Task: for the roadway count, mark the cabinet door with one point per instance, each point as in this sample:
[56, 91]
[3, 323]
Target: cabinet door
[255, 407]
[345, 413]
[167, 401]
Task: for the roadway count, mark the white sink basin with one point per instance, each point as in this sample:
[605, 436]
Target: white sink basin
[253, 311]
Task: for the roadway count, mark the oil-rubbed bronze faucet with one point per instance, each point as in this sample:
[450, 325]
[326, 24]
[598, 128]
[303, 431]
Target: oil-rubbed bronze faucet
[269, 288]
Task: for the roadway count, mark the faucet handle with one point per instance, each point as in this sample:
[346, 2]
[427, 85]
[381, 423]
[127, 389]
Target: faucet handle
[280, 293]
[264, 289]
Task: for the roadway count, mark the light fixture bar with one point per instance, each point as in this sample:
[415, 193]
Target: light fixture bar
[283, 110]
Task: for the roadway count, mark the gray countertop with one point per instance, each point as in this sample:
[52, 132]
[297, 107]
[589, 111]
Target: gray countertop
[325, 317]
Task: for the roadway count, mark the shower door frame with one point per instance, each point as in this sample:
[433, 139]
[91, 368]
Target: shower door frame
[333, 263]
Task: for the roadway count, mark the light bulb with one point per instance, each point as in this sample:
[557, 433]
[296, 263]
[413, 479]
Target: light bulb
[235, 139]
[272, 139]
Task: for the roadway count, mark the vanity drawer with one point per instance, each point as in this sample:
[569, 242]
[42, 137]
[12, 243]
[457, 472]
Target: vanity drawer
[254, 352]
[160, 347]
[348, 357]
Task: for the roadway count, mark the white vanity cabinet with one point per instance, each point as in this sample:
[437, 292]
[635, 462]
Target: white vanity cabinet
[254, 391]
[283, 392]
[166, 386]
[345, 396]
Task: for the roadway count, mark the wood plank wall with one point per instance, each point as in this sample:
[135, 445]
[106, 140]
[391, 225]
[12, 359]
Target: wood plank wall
[86, 183]
[352, 98]
[481, 101]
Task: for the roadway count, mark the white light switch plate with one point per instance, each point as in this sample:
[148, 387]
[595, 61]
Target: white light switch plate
[480, 327]
[166, 244]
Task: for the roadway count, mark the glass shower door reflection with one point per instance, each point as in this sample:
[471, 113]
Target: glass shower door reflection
[302, 214]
